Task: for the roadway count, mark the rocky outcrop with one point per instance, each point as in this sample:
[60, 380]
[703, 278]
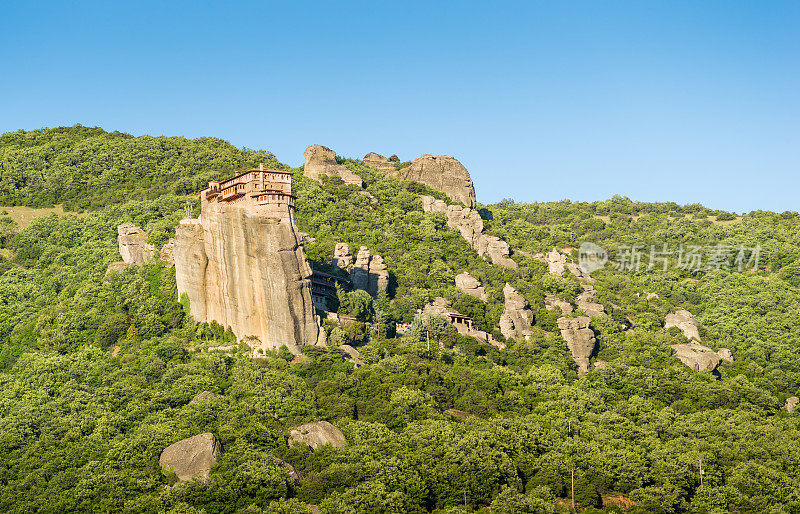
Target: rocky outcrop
[167, 253]
[556, 262]
[192, 457]
[580, 340]
[684, 320]
[791, 404]
[553, 302]
[470, 225]
[516, 322]
[248, 272]
[726, 355]
[463, 324]
[133, 245]
[471, 286]
[295, 475]
[352, 355]
[321, 160]
[442, 173]
[379, 162]
[585, 301]
[576, 270]
[205, 395]
[316, 434]
[341, 256]
[369, 272]
[697, 356]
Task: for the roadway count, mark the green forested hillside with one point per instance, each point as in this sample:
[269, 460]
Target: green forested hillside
[96, 374]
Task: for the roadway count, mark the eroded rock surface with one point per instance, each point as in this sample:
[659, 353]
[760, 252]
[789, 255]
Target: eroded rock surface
[553, 302]
[352, 355]
[167, 253]
[791, 404]
[248, 272]
[684, 320]
[133, 245]
[516, 322]
[580, 339]
[369, 272]
[379, 162]
[295, 475]
[471, 285]
[726, 355]
[442, 173]
[192, 457]
[585, 301]
[341, 256]
[321, 160]
[316, 434]
[697, 356]
[556, 262]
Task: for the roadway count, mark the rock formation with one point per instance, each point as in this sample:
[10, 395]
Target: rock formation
[585, 301]
[556, 262]
[167, 253]
[295, 475]
[321, 160]
[684, 320]
[442, 173]
[553, 302]
[580, 340]
[463, 324]
[471, 286]
[316, 434]
[791, 404]
[576, 270]
[205, 395]
[192, 457]
[352, 355]
[726, 355]
[379, 162]
[133, 245]
[516, 322]
[341, 256]
[369, 272]
[242, 265]
[470, 225]
[697, 356]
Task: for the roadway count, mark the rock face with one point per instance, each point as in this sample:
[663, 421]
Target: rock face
[168, 251]
[556, 261]
[578, 272]
[321, 160]
[470, 225]
[442, 173]
[516, 322]
[697, 356]
[246, 271]
[341, 256]
[471, 286]
[316, 434]
[379, 162]
[353, 355]
[369, 272]
[726, 355]
[192, 457]
[586, 303]
[133, 245]
[553, 302]
[684, 320]
[295, 475]
[580, 340]
[791, 404]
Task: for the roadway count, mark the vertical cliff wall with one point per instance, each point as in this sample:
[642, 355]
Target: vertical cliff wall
[248, 272]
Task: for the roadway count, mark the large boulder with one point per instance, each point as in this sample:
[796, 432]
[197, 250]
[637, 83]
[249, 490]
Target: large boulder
[556, 262]
[585, 301]
[684, 320]
[726, 355]
[442, 173]
[516, 322]
[697, 356]
[379, 162]
[316, 434]
[133, 245]
[791, 404]
[321, 160]
[471, 285]
[579, 338]
[192, 457]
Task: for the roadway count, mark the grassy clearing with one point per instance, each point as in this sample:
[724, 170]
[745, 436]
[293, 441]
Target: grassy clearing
[25, 215]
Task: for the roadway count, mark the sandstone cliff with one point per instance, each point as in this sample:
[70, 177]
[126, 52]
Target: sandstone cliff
[248, 272]
[133, 245]
[579, 338]
[442, 173]
[321, 160]
[368, 272]
[379, 162]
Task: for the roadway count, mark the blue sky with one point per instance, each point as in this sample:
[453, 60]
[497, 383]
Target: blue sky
[660, 101]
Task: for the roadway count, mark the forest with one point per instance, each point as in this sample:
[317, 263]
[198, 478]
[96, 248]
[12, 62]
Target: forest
[97, 371]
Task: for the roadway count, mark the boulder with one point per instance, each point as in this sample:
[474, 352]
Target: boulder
[726, 355]
[352, 355]
[133, 245]
[697, 356]
[516, 322]
[205, 395]
[553, 302]
[316, 434]
[684, 320]
[585, 301]
[442, 173]
[576, 270]
[192, 457]
[321, 160]
[379, 162]
[556, 262]
[496, 249]
[471, 286]
[791, 404]
[580, 340]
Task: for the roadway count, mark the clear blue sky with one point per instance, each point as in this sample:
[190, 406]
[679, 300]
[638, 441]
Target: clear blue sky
[660, 101]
